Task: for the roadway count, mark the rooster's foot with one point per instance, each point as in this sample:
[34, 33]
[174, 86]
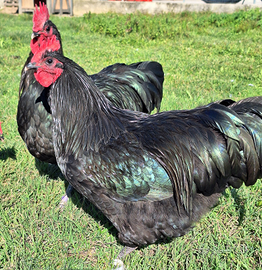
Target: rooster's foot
[66, 197]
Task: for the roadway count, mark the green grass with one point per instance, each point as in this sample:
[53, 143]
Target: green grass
[205, 57]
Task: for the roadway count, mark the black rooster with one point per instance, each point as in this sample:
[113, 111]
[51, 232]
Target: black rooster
[136, 87]
[151, 175]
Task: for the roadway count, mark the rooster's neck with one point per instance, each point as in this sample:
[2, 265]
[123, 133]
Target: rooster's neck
[83, 118]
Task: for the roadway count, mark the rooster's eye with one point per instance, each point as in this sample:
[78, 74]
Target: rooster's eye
[48, 28]
[49, 61]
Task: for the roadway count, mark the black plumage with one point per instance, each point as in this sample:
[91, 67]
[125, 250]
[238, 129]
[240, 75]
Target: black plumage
[152, 176]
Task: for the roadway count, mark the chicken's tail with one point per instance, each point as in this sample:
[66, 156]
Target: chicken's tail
[137, 87]
[249, 110]
[229, 150]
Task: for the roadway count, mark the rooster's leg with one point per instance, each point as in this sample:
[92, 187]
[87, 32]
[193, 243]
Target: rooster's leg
[125, 251]
[65, 198]
[118, 263]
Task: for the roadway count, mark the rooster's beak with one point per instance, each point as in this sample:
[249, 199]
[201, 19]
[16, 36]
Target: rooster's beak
[31, 66]
[34, 35]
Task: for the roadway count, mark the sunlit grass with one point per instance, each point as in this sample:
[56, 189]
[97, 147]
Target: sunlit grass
[207, 57]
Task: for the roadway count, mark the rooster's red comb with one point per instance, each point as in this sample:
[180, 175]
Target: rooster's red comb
[48, 45]
[51, 44]
[40, 17]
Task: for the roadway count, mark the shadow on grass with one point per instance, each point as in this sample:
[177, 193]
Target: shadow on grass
[51, 170]
[239, 204]
[9, 152]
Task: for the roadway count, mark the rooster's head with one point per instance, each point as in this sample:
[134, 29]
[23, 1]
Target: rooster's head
[47, 69]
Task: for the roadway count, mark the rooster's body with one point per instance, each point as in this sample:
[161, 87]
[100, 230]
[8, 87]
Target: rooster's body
[152, 176]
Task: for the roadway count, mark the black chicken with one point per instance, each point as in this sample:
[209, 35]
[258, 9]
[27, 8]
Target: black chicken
[136, 87]
[152, 176]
